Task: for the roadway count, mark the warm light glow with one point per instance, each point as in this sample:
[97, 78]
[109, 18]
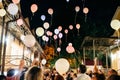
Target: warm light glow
[19, 22]
[77, 8]
[58, 49]
[56, 31]
[78, 26]
[115, 24]
[62, 66]
[60, 28]
[46, 25]
[39, 31]
[43, 17]
[43, 61]
[50, 11]
[2, 12]
[70, 27]
[44, 37]
[85, 10]
[66, 31]
[34, 8]
[70, 48]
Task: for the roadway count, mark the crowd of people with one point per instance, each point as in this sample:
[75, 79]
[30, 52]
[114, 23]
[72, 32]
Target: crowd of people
[36, 72]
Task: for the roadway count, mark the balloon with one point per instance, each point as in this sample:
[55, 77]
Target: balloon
[34, 8]
[29, 40]
[62, 66]
[12, 9]
[85, 10]
[56, 31]
[2, 12]
[39, 31]
[15, 1]
[46, 25]
[77, 8]
[50, 11]
[43, 17]
[115, 24]
[19, 22]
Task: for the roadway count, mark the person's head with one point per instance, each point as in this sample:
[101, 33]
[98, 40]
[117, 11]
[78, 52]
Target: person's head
[82, 68]
[2, 77]
[11, 74]
[34, 73]
[114, 77]
[97, 76]
[59, 77]
[112, 72]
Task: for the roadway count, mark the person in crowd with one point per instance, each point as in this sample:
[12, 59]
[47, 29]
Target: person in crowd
[114, 77]
[112, 72]
[3, 77]
[82, 73]
[34, 73]
[59, 77]
[98, 76]
[11, 74]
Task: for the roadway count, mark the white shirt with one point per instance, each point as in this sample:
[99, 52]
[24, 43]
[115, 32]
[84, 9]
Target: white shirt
[83, 77]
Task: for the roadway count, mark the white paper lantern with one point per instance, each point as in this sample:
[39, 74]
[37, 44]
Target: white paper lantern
[29, 40]
[2, 12]
[115, 24]
[43, 61]
[77, 8]
[12, 9]
[46, 25]
[70, 27]
[66, 31]
[58, 49]
[56, 31]
[39, 31]
[44, 37]
[62, 66]
[60, 35]
[78, 26]
[43, 17]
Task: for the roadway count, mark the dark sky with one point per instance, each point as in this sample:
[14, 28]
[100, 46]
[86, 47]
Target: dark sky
[98, 18]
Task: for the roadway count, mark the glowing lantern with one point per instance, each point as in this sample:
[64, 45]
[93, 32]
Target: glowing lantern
[58, 49]
[46, 25]
[56, 31]
[60, 35]
[44, 37]
[19, 22]
[50, 11]
[34, 8]
[15, 1]
[43, 61]
[29, 40]
[55, 37]
[66, 31]
[70, 48]
[60, 28]
[77, 8]
[67, 0]
[12, 9]
[43, 17]
[2, 12]
[48, 33]
[85, 10]
[39, 31]
[62, 66]
[115, 24]
[51, 33]
[78, 26]
[71, 27]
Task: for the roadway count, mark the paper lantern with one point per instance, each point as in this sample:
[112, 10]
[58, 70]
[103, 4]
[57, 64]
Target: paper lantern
[44, 37]
[62, 66]
[70, 27]
[47, 39]
[43, 17]
[77, 8]
[60, 28]
[78, 26]
[29, 40]
[48, 33]
[58, 49]
[67, 0]
[2, 12]
[43, 61]
[115, 24]
[39, 31]
[66, 31]
[85, 10]
[56, 31]
[55, 37]
[15, 1]
[34, 8]
[46, 25]
[0, 0]
[19, 22]
[60, 35]
[50, 11]
[70, 48]
[12, 9]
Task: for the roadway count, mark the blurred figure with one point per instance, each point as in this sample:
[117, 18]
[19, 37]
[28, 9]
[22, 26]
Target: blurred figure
[34, 73]
[112, 72]
[82, 73]
[114, 77]
[98, 76]
[58, 77]
[3, 77]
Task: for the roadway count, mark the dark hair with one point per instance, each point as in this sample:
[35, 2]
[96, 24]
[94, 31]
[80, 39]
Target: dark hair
[2, 77]
[10, 72]
[114, 77]
[82, 68]
[59, 77]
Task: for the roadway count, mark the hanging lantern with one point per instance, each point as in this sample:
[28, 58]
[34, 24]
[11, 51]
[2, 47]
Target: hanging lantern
[62, 66]
[43, 61]
[56, 31]
[39, 31]
[115, 24]
[48, 33]
[2, 12]
[51, 33]
[19, 22]
[60, 28]
[70, 27]
[66, 31]
[60, 35]
[47, 39]
[85, 10]
[0, 0]
[50, 11]
[58, 49]
[29, 40]
[46, 25]
[12, 9]
[34, 8]
[44, 37]
[43, 17]
[78, 26]
[16, 1]
[70, 48]
[67, 0]
[77, 8]
[55, 37]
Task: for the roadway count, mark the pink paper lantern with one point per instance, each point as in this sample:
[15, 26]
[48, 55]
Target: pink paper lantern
[60, 28]
[70, 48]
[19, 22]
[70, 27]
[55, 37]
[58, 49]
[50, 11]
[85, 10]
[34, 8]
[66, 31]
